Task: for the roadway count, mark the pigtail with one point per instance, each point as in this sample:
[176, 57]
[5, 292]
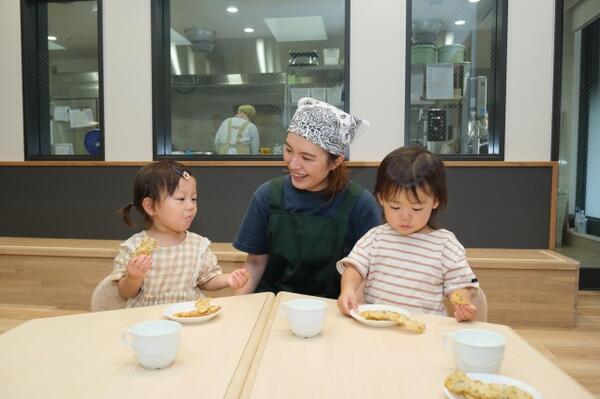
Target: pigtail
[125, 215]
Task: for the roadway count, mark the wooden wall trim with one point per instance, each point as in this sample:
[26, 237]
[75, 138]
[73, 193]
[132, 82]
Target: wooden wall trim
[351, 164]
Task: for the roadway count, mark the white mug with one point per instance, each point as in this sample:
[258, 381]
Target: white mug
[154, 342]
[305, 316]
[479, 351]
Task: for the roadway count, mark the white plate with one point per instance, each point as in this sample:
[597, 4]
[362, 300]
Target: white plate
[497, 379]
[187, 307]
[378, 323]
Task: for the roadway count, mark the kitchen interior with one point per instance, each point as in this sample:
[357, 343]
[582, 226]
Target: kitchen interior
[452, 76]
[223, 57]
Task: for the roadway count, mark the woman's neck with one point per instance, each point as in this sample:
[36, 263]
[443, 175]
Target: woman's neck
[166, 238]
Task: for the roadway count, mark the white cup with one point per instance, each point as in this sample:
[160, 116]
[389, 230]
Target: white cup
[478, 351]
[305, 316]
[154, 342]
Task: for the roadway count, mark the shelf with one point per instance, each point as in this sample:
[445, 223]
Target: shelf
[418, 103]
[316, 68]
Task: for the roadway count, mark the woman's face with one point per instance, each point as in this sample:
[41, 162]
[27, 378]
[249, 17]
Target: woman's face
[308, 163]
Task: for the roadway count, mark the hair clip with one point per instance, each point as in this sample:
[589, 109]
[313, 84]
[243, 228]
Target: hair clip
[183, 173]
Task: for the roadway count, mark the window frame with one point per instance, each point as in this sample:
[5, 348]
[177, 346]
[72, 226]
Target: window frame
[500, 44]
[161, 99]
[36, 124]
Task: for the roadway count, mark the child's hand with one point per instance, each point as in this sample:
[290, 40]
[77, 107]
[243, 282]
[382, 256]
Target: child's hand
[138, 266]
[347, 301]
[465, 312]
[238, 278]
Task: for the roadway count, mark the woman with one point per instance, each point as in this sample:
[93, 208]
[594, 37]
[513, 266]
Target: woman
[299, 225]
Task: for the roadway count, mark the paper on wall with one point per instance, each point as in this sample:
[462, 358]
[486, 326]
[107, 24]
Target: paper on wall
[61, 114]
[416, 86]
[439, 84]
[82, 117]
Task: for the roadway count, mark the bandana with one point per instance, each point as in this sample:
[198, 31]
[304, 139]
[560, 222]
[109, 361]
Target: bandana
[326, 126]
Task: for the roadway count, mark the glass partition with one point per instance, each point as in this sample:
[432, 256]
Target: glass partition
[227, 76]
[457, 72]
[62, 74]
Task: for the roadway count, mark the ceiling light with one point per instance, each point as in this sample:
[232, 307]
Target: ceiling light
[293, 29]
[473, 1]
[52, 38]
[460, 22]
[233, 10]
[248, 30]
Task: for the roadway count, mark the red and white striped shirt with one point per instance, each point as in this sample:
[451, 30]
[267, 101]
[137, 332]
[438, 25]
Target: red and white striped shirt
[414, 271]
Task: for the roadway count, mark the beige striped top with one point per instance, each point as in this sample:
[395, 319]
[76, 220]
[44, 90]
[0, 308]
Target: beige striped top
[414, 271]
[176, 271]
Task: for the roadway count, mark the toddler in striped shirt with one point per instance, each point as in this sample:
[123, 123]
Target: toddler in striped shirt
[408, 261]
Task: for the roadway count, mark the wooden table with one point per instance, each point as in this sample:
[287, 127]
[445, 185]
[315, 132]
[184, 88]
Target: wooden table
[82, 356]
[352, 360]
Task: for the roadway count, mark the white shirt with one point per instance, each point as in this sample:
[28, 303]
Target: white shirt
[249, 134]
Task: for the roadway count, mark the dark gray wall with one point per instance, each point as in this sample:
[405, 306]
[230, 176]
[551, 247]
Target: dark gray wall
[488, 207]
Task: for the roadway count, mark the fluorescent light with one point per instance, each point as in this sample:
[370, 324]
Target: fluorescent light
[460, 22]
[52, 38]
[473, 1]
[248, 30]
[232, 9]
[293, 29]
[54, 46]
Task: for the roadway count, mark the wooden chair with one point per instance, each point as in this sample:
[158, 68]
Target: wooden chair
[479, 299]
[106, 296]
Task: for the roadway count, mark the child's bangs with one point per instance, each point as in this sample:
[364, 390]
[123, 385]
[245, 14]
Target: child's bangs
[392, 190]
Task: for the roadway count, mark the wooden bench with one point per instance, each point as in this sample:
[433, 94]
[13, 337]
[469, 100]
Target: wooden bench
[524, 286]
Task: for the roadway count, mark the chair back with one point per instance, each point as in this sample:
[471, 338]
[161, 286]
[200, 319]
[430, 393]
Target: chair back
[478, 299]
[106, 296]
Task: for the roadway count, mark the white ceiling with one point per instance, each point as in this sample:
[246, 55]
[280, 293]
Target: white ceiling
[75, 23]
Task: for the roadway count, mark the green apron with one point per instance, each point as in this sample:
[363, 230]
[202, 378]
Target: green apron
[303, 249]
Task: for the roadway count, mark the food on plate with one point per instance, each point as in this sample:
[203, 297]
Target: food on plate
[461, 384]
[146, 247]
[457, 299]
[203, 308]
[388, 315]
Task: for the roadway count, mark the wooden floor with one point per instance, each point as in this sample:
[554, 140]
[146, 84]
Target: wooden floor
[575, 350]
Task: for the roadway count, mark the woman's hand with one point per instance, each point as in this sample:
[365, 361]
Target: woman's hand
[465, 312]
[138, 266]
[238, 278]
[347, 301]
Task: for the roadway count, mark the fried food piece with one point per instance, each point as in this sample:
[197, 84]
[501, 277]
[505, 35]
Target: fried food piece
[146, 247]
[383, 315]
[203, 308]
[415, 325]
[203, 304]
[457, 299]
[196, 313]
[459, 383]
[387, 315]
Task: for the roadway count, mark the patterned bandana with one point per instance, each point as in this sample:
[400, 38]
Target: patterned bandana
[326, 126]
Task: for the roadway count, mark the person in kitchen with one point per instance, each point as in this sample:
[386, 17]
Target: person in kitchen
[238, 135]
[298, 225]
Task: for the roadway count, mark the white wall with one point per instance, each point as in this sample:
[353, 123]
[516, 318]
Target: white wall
[529, 80]
[377, 79]
[127, 80]
[11, 92]
[377, 75]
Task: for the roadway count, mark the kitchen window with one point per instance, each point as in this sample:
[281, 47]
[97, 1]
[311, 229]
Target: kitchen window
[456, 67]
[62, 79]
[227, 75]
